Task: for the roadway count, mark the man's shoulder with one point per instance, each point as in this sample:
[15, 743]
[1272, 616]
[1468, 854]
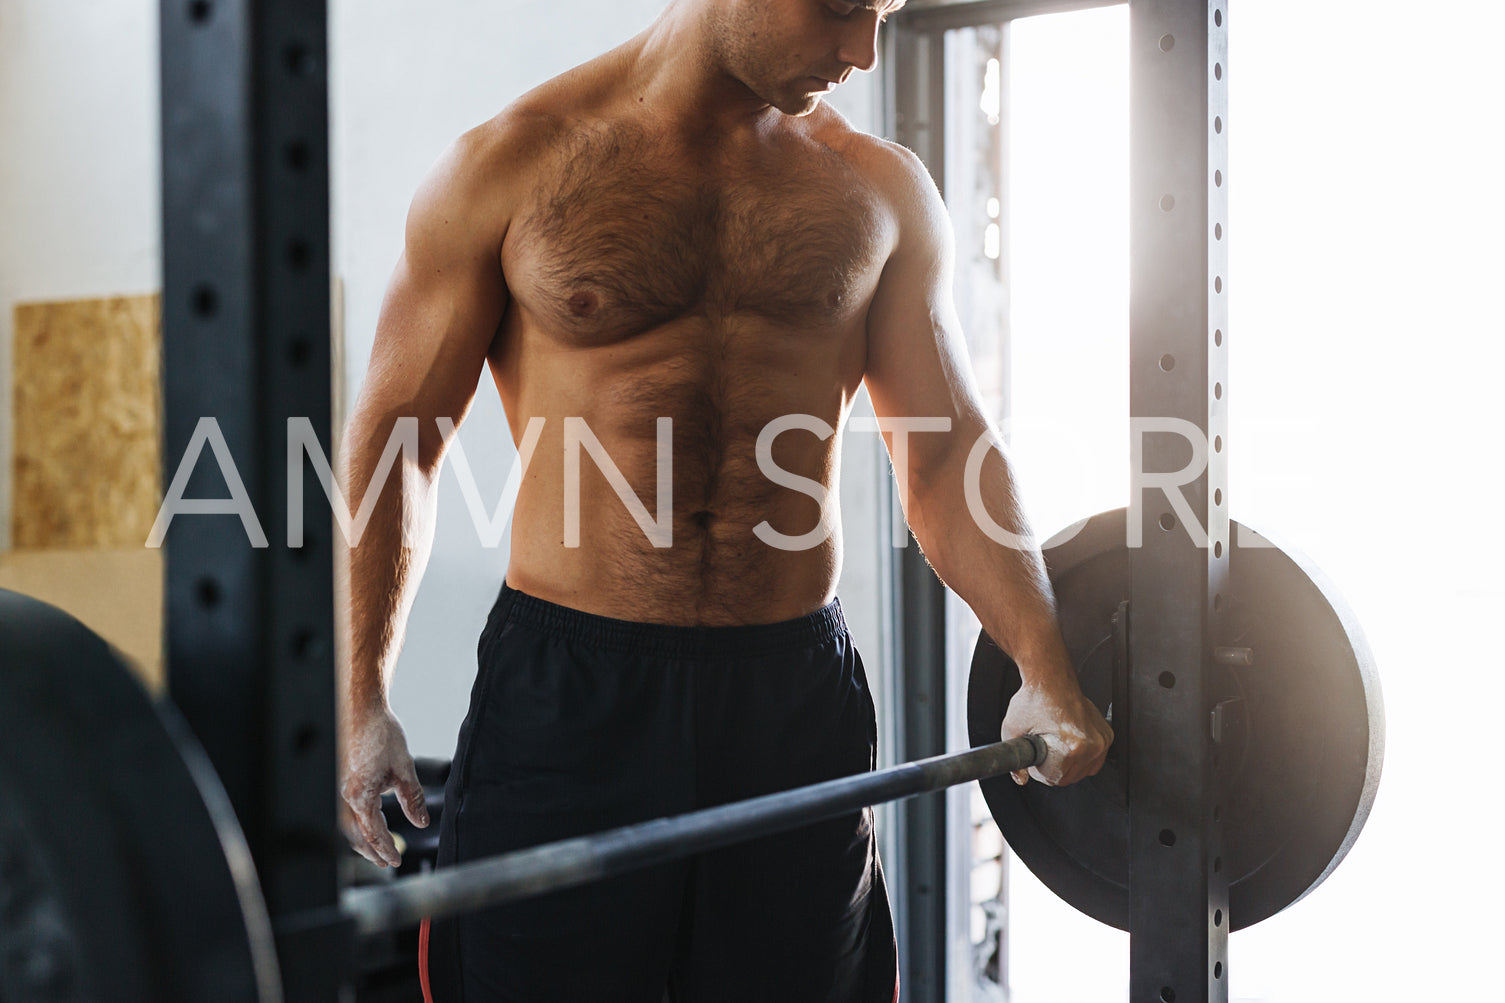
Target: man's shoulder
[892, 170]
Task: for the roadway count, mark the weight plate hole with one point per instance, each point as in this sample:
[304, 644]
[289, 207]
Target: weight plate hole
[1167, 838]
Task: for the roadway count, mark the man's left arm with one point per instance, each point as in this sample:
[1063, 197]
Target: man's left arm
[917, 367]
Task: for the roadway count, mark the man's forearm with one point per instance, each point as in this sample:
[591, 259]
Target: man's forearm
[386, 564]
[1005, 584]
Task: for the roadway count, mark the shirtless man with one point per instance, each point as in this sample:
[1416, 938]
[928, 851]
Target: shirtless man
[679, 229]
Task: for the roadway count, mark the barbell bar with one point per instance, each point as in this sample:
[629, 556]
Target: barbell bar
[551, 866]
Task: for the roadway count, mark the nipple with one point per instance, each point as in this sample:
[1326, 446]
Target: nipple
[584, 303]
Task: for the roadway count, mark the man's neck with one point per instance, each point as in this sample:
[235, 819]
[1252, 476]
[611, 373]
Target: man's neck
[676, 73]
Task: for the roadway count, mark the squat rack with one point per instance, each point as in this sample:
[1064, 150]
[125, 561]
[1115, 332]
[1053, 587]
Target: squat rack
[1178, 68]
[246, 313]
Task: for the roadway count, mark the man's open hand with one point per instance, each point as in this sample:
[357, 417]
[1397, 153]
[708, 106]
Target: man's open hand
[1076, 736]
[377, 761]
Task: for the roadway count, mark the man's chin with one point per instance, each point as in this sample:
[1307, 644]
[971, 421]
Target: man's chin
[798, 105]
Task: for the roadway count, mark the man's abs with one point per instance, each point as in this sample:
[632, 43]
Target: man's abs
[647, 497]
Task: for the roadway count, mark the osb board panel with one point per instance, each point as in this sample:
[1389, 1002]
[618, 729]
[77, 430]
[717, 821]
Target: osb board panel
[116, 593]
[87, 407]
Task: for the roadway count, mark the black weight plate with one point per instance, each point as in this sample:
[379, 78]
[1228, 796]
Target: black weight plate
[123, 873]
[1303, 731]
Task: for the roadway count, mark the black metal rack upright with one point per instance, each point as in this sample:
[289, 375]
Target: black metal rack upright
[246, 345]
[1178, 393]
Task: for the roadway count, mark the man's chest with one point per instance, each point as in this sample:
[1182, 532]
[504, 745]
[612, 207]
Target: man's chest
[620, 241]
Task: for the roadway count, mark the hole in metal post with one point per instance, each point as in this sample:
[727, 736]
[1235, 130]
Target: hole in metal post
[301, 554]
[297, 156]
[205, 301]
[1217, 18]
[1217, 178]
[1217, 338]
[298, 352]
[1167, 522]
[1217, 918]
[1217, 391]
[1217, 71]
[1217, 231]
[298, 254]
[1167, 203]
[1217, 549]
[1217, 970]
[1167, 838]
[1217, 600]
[1167, 994]
[1217, 284]
[207, 592]
[1217, 496]
[298, 60]
[1167, 43]
[1168, 680]
[303, 643]
[1217, 123]
[1167, 362]
[199, 11]
[305, 739]
[1217, 444]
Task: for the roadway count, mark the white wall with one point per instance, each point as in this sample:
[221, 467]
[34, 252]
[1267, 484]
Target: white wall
[407, 78]
[78, 164]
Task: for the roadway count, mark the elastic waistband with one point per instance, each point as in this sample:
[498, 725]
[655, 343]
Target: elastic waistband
[821, 627]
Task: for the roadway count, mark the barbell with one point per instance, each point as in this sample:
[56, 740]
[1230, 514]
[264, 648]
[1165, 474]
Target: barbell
[112, 809]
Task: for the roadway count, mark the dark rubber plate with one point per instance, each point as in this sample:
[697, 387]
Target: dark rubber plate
[1303, 731]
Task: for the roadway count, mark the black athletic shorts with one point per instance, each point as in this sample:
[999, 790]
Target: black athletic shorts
[580, 723]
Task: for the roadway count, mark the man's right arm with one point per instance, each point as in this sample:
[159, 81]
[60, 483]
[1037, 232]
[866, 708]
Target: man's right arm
[438, 318]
